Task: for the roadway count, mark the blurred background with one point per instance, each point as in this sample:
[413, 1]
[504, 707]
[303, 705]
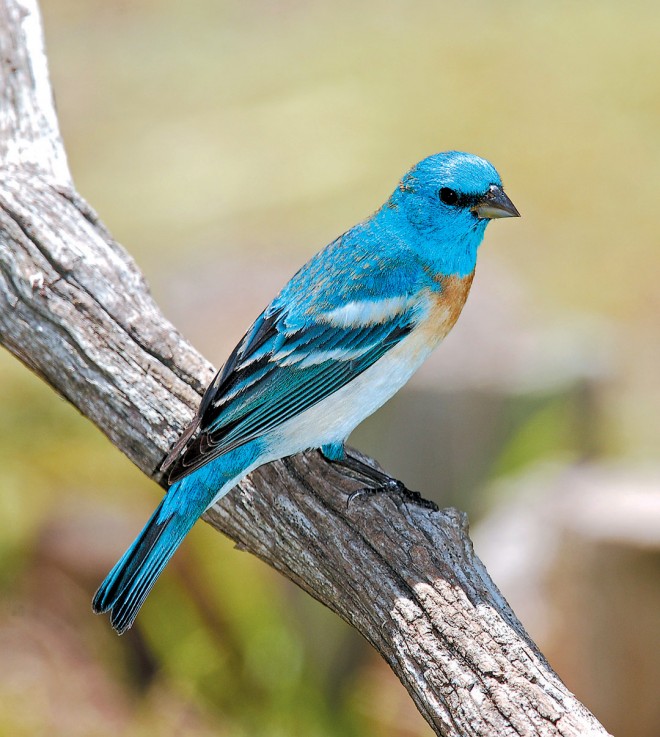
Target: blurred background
[223, 143]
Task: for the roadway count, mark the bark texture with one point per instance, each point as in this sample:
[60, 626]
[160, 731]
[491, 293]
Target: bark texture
[76, 310]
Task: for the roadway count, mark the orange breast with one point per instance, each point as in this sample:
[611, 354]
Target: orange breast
[446, 305]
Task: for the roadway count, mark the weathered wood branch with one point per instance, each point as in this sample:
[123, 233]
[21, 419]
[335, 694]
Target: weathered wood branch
[75, 309]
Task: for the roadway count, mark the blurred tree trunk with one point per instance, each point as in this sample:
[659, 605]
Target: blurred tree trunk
[76, 310]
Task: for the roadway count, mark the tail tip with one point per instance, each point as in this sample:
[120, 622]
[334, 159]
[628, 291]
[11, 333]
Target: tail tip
[121, 621]
[99, 606]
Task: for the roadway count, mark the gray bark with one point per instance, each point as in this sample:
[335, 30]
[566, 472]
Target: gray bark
[76, 310]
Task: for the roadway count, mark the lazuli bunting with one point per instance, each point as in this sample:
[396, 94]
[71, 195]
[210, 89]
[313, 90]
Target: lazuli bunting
[348, 330]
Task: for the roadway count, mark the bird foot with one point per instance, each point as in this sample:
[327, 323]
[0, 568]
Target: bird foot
[392, 486]
[382, 483]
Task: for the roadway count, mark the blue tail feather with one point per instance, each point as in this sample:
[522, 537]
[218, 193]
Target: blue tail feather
[127, 585]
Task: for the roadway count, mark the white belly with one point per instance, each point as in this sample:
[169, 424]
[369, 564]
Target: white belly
[333, 419]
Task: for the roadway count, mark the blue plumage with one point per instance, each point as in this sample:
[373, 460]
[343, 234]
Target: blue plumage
[130, 581]
[127, 585]
[343, 335]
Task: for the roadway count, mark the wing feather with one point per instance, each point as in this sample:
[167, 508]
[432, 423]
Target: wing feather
[279, 370]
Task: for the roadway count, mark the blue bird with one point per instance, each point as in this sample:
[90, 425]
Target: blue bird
[345, 334]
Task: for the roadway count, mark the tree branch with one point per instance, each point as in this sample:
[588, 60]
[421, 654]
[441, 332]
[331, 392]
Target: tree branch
[75, 309]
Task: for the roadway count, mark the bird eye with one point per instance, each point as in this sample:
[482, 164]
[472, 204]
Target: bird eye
[448, 196]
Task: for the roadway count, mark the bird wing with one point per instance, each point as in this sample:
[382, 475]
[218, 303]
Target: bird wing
[284, 365]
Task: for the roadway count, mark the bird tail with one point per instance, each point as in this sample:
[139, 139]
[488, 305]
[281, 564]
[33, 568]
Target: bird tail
[126, 587]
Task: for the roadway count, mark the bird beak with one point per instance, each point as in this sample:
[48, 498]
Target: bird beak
[495, 204]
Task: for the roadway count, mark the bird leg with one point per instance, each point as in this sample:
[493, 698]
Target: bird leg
[378, 482]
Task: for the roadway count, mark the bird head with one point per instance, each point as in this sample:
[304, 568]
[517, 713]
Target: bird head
[445, 202]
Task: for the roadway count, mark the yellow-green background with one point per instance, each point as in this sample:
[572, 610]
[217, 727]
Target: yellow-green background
[220, 137]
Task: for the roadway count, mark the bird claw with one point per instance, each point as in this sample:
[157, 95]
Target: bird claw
[388, 486]
[382, 483]
[414, 497]
[397, 487]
